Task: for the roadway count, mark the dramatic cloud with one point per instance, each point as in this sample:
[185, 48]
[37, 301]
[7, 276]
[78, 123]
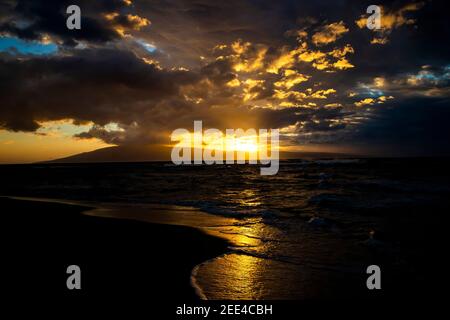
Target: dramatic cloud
[139, 69]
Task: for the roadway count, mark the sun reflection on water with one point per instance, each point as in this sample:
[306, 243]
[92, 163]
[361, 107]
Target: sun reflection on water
[240, 276]
[241, 271]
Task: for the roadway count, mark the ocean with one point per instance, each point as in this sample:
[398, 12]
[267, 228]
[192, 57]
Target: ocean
[309, 232]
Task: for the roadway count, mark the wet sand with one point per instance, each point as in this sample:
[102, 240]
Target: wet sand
[117, 257]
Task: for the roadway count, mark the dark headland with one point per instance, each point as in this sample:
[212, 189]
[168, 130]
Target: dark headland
[143, 153]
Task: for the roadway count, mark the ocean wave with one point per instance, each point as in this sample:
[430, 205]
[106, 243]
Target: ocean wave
[337, 161]
[229, 210]
[194, 283]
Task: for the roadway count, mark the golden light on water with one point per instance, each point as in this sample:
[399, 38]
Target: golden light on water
[241, 274]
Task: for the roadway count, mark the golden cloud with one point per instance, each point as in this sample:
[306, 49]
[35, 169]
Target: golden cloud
[240, 47]
[322, 94]
[366, 101]
[290, 79]
[300, 96]
[249, 88]
[382, 40]
[320, 59]
[342, 64]
[384, 98]
[390, 19]
[137, 22]
[309, 56]
[285, 60]
[329, 33]
[371, 101]
[247, 58]
[333, 105]
[234, 83]
[342, 52]
[123, 24]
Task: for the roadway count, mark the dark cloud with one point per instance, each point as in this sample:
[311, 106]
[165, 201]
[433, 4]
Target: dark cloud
[30, 19]
[415, 127]
[103, 86]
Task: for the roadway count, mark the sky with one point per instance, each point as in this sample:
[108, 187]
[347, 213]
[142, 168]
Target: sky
[137, 70]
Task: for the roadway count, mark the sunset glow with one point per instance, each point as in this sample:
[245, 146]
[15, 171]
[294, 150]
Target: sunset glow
[324, 81]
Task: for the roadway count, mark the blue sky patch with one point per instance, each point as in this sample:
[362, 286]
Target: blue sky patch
[26, 47]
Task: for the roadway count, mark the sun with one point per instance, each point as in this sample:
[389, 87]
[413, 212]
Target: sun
[245, 144]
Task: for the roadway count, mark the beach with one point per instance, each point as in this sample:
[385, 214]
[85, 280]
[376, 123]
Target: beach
[120, 258]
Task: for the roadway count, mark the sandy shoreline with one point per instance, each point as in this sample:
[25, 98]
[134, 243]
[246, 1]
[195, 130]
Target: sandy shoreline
[118, 257]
